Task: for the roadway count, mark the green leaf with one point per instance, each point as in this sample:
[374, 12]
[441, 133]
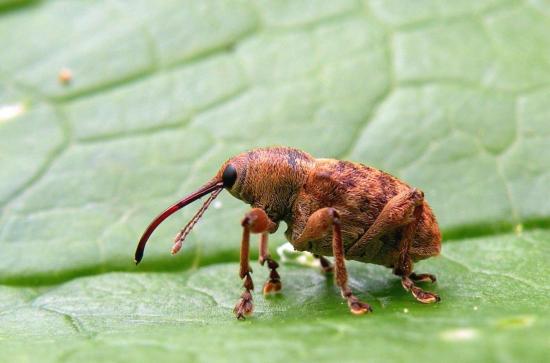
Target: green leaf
[494, 300]
[450, 97]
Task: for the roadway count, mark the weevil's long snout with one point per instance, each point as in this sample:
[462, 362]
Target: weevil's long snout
[206, 189]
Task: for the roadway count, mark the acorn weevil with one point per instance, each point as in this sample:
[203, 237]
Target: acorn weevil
[332, 208]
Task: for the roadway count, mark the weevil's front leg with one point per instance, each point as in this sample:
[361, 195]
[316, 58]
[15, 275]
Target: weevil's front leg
[244, 306]
[404, 264]
[317, 226]
[273, 284]
[255, 221]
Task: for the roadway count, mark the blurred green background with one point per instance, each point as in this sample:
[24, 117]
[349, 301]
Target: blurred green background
[452, 96]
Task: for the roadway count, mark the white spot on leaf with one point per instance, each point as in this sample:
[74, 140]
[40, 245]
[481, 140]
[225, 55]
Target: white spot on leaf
[288, 254]
[461, 334]
[8, 112]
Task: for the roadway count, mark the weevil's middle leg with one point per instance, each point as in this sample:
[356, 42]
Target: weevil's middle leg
[317, 226]
[273, 284]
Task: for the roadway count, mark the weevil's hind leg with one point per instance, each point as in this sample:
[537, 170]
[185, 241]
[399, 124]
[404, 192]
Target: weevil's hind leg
[398, 212]
[273, 284]
[317, 226]
[326, 265]
[402, 211]
[255, 221]
[404, 264]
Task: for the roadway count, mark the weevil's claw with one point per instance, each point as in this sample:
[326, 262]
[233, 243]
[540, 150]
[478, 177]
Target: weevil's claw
[358, 307]
[425, 297]
[423, 277]
[244, 306]
[272, 287]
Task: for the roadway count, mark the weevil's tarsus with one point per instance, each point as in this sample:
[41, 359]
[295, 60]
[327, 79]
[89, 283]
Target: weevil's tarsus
[273, 284]
[245, 305]
[180, 237]
[206, 189]
[425, 297]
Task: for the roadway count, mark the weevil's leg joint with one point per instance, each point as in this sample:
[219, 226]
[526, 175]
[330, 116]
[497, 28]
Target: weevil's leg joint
[258, 221]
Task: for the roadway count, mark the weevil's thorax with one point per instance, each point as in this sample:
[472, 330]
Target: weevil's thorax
[270, 178]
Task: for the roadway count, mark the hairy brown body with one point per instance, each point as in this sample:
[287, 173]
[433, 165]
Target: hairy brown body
[290, 185]
[331, 207]
[359, 193]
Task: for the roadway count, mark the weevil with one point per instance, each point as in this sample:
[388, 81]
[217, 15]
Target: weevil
[331, 208]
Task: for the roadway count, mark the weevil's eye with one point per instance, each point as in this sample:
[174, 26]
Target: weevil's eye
[229, 176]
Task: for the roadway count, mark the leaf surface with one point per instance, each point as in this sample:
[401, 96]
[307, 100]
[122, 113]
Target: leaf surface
[450, 97]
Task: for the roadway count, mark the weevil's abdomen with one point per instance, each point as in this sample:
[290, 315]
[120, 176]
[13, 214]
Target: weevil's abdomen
[427, 241]
[359, 193]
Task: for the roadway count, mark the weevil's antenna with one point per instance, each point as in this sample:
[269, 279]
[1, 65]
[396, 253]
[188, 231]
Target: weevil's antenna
[180, 237]
[215, 186]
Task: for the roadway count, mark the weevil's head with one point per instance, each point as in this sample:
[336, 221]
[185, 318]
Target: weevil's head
[268, 178]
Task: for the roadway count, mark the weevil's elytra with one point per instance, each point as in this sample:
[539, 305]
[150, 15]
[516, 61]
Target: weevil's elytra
[332, 208]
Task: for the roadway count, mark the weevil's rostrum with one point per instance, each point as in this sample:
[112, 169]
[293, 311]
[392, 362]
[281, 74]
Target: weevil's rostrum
[331, 207]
